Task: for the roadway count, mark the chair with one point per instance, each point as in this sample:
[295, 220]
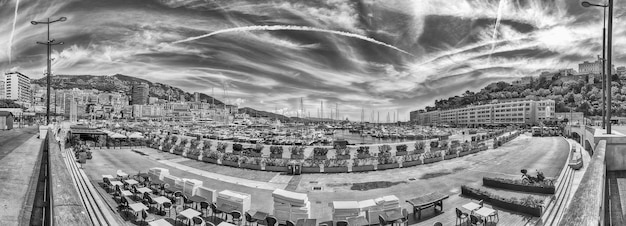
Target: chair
[215, 210]
[186, 202]
[460, 216]
[106, 183]
[168, 206]
[123, 205]
[148, 200]
[475, 220]
[405, 219]
[204, 207]
[236, 217]
[382, 221]
[198, 221]
[144, 216]
[340, 223]
[438, 224]
[177, 195]
[270, 221]
[165, 189]
[290, 223]
[249, 218]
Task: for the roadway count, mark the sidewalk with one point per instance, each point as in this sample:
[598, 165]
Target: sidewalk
[18, 182]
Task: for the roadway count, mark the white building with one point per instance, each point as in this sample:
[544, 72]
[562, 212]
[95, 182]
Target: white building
[17, 87]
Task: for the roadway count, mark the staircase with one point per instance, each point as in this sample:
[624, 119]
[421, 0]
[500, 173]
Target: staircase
[558, 203]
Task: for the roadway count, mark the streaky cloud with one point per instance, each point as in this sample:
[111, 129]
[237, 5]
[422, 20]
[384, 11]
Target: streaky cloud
[293, 28]
[17, 5]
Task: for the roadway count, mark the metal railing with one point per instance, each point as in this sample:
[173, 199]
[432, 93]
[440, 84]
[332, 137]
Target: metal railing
[42, 213]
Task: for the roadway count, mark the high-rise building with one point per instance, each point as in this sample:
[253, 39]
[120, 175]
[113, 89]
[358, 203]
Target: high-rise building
[140, 94]
[17, 87]
[196, 97]
[2, 91]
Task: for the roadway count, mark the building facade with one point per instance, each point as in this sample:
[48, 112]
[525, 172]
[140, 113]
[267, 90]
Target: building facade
[502, 112]
[17, 87]
[140, 94]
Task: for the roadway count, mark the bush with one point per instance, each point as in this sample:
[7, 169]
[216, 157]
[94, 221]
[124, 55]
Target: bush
[318, 151]
[419, 145]
[193, 153]
[276, 150]
[276, 162]
[412, 157]
[174, 139]
[237, 147]
[429, 155]
[343, 151]
[207, 144]
[363, 150]
[167, 146]
[443, 144]
[386, 159]
[535, 204]
[258, 148]
[221, 147]
[296, 150]
[434, 144]
[363, 162]
[231, 157]
[213, 155]
[384, 148]
[546, 187]
[335, 163]
[401, 148]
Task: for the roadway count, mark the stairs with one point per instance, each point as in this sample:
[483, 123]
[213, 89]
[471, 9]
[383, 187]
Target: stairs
[558, 203]
[88, 194]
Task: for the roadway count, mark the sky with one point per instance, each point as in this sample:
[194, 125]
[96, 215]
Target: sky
[381, 56]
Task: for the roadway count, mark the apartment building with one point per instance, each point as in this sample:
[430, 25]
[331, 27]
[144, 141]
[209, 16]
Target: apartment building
[513, 111]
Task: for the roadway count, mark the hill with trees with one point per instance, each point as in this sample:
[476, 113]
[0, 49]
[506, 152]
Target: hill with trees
[568, 91]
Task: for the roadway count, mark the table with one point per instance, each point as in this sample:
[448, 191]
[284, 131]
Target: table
[131, 182]
[225, 208]
[122, 174]
[358, 221]
[433, 199]
[160, 200]
[224, 223]
[393, 215]
[126, 193]
[260, 216]
[188, 214]
[485, 212]
[306, 222]
[136, 207]
[144, 190]
[471, 206]
[159, 222]
[118, 183]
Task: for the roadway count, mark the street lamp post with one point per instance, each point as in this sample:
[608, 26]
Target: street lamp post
[607, 66]
[49, 43]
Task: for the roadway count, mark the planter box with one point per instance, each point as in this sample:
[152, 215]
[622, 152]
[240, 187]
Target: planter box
[342, 157]
[251, 166]
[193, 157]
[276, 156]
[504, 205]
[340, 169]
[489, 182]
[276, 168]
[387, 166]
[401, 153]
[450, 156]
[230, 163]
[465, 153]
[412, 163]
[435, 149]
[311, 170]
[362, 168]
[236, 152]
[363, 156]
[253, 154]
[178, 152]
[209, 160]
[431, 160]
[320, 157]
[297, 157]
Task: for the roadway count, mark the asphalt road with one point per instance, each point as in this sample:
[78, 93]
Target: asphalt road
[547, 154]
[11, 139]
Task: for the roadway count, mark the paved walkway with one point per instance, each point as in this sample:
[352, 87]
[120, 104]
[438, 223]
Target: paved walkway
[19, 161]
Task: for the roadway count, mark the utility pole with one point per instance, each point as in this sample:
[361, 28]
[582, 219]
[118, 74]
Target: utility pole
[49, 43]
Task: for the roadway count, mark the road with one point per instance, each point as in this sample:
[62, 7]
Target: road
[544, 153]
[11, 139]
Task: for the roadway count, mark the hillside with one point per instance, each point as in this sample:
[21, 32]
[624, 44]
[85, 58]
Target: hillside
[569, 91]
[120, 83]
[256, 113]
